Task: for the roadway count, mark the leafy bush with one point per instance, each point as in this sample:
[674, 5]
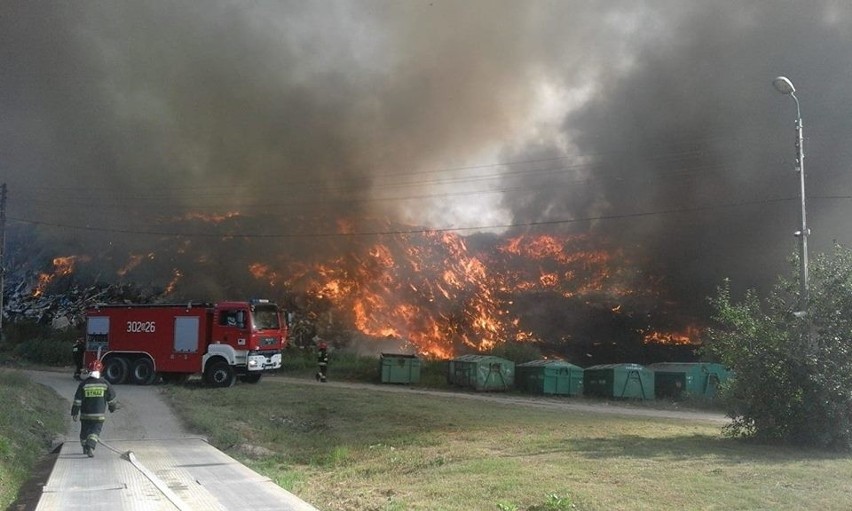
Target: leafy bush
[793, 380]
[20, 331]
[16, 333]
[349, 366]
[298, 360]
[341, 365]
[50, 352]
[37, 343]
[433, 373]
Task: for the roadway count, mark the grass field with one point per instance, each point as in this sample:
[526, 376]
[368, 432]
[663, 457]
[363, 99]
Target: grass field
[32, 417]
[355, 449]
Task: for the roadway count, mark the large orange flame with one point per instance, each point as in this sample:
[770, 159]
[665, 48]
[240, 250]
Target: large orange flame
[435, 292]
[432, 292]
[62, 266]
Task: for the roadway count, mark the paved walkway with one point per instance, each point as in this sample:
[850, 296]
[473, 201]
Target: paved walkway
[176, 474]
[148, 461]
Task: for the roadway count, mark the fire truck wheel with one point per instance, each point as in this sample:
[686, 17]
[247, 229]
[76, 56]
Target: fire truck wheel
[115, 370]
[143, 372]
[250, 378]
[220, 374]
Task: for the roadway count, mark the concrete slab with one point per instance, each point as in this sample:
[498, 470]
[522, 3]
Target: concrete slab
[170, 474]
[169, 468]
[105, 482]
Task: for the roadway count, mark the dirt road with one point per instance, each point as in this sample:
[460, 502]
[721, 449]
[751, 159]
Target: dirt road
[143, 415]
[557, 403]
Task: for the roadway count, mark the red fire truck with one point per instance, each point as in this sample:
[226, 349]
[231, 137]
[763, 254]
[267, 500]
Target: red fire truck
[222, 342]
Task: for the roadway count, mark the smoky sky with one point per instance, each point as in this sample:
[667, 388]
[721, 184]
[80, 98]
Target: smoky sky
[686, 154]
[652, 123]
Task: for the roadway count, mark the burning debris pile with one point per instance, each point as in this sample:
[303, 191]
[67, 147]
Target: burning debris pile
[56, 298]
[432, 292]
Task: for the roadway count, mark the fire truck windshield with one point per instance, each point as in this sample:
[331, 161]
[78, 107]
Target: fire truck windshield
[266, 317]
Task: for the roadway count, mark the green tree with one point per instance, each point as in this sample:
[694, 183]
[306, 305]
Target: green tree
[793, 371]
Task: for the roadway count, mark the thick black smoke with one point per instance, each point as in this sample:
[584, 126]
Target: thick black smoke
[686, 151]
[118, 116]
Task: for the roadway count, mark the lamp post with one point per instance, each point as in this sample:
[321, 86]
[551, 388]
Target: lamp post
[783, 85]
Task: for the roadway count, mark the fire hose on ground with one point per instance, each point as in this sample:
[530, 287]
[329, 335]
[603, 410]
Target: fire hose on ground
[159, 484]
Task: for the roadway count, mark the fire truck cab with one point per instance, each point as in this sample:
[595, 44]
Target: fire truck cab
[223, 342]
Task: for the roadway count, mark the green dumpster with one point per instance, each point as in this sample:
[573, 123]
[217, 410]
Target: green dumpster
[399, 368]
[552, 377]
[631, 381]
[688, 379]
[481, 372]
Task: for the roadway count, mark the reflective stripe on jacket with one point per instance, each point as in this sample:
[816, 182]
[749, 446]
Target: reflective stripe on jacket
[92, 398]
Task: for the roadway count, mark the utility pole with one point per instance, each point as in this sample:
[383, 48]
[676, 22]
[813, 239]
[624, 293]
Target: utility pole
[2, 254]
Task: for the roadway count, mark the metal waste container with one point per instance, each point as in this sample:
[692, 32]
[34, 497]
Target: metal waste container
[481, 372]
[688, 379]
[399, 368]
[551, 377]
[619, 380]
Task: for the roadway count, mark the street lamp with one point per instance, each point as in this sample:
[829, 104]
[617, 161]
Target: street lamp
[783, 85]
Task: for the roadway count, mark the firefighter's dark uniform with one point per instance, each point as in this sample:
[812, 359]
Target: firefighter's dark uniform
[94, 396]
[78, 351]
[322, 360]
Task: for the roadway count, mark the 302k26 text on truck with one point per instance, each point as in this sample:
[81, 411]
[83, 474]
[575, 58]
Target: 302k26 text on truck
[222, 342]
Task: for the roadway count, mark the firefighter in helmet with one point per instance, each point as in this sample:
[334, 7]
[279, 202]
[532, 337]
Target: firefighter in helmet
[322, 361]
[94, 396]
[79, 350]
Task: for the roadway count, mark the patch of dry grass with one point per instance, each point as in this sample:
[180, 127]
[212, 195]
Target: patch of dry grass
[347, 449]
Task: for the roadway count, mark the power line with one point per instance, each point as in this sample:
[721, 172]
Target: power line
[348, 199]
[408, 231]
[677, 153]
[687, 161]
[345, 186]
[341, 194]
[595, 161]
